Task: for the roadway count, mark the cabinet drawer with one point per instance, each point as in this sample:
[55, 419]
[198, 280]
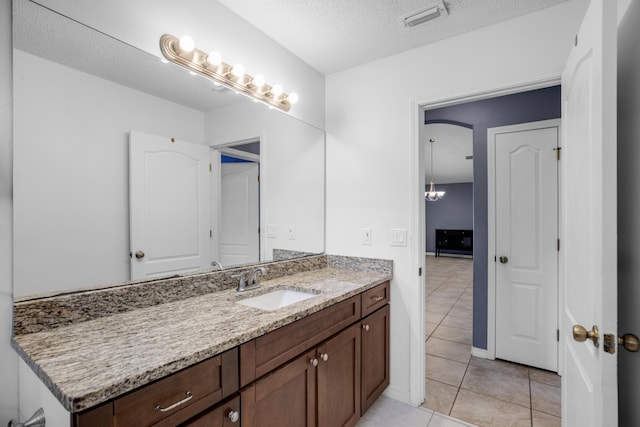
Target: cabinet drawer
[222, 415]
[375, 298]
[181, 395]
[264, 354]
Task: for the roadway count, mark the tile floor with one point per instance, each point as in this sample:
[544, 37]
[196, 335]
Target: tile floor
[483, 392]
[391, 413]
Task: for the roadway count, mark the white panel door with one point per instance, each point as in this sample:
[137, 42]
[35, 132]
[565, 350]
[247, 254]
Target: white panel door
[240, 215]
[526, 236]
[169, 206]
[589, 251]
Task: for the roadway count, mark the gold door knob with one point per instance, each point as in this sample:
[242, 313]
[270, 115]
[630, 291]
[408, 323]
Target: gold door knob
[139, 254]
[580, 334]
[629, 342]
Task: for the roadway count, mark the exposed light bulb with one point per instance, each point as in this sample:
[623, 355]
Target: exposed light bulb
[214, 58]
[238, 70]
[293, 98]
[186, 44]
[258, 80]
[277, 90]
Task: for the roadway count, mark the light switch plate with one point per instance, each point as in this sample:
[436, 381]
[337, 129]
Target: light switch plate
[398, 237]
[272, 231]
[366, 236]
[292, 232]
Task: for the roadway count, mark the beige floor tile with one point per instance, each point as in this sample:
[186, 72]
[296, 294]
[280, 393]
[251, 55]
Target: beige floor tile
[545, 377]
[501, 366]
[448, 349]
[489, 412]
[450, 333]
[440, 420]
[461, 312]
[545, 398]
[457, 322]
[505, 387]
[439, 396]
[445, 370]
[432, 317]
[387, 412]
[438, 308]
[540, 419]
[437, 299]
[448, 293]
[430, 327]
[464, 305]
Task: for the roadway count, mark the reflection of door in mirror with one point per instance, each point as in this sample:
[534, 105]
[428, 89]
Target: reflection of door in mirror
[169, 208]
[240, 204]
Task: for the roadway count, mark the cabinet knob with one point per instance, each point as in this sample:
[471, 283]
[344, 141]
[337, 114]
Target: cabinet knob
[234, 416]
[365, 327]
[314, 362]
[324, 356]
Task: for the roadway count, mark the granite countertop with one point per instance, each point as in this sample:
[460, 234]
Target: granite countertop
[89, 362]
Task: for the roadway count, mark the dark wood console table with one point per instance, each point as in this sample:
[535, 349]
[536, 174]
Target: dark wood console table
[460, 241]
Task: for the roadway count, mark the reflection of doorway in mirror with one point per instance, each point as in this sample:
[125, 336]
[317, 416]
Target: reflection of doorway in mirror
[239, 211]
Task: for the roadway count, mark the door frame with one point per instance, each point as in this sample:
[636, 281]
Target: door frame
[418, 217]
[216, 181]
[491, 228]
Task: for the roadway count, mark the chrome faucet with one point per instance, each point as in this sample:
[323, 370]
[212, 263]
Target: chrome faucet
[248, 281]
[255, 279]
[216, 263]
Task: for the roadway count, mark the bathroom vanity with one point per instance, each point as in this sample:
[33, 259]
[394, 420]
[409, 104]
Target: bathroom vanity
[202, 358]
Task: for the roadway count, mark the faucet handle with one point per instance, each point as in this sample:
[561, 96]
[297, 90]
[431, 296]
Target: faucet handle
[243, 279]
[255, 279]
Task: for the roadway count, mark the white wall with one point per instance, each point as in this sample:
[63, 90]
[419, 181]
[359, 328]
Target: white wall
[34, 394]
[213, 27]
[291, 171]
[371, 121]
[71, 172]
[8, 371]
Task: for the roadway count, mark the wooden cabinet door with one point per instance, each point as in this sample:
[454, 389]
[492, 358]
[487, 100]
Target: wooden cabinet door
[284, 398]
[339, 379]
[375, 356]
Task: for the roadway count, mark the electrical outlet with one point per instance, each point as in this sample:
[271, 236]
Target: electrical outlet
[366, 236]
[292, 232]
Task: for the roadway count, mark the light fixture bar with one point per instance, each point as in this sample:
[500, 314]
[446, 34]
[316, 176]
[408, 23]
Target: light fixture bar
[195, 60]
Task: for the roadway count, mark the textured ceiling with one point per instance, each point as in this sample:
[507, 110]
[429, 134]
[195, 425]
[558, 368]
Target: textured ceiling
[333, 35]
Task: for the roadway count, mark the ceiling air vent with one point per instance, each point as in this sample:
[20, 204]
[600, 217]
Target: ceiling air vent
[429, 13]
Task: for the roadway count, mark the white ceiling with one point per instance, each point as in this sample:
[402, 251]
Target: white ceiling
[451, 147]
[333, 35]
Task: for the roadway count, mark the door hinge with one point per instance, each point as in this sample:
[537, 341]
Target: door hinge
[558, 335]
[209, 167]
[420, 271]
[575, 41]
[558, 245]
[557, 150]
[211, 234]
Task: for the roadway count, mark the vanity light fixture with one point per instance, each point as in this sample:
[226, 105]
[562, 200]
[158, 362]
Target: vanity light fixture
[184, 53]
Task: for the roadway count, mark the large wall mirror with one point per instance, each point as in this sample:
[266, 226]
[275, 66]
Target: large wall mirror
[80, 98]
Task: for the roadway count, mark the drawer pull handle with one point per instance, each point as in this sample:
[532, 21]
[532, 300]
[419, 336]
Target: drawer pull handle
[377, 298]
[234, 416]
[175, 405]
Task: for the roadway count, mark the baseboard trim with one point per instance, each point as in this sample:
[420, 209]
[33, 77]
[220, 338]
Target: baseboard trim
[399, 395]
[433, 254]
[480, 353]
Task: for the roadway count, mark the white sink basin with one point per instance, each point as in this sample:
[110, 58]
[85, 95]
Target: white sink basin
[276, 299]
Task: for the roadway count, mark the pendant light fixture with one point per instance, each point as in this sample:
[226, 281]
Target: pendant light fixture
[432, 195]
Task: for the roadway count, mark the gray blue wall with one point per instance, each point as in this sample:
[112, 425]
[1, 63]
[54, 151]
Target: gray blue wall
[454, 211]
[628, 211]
[542, 104]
